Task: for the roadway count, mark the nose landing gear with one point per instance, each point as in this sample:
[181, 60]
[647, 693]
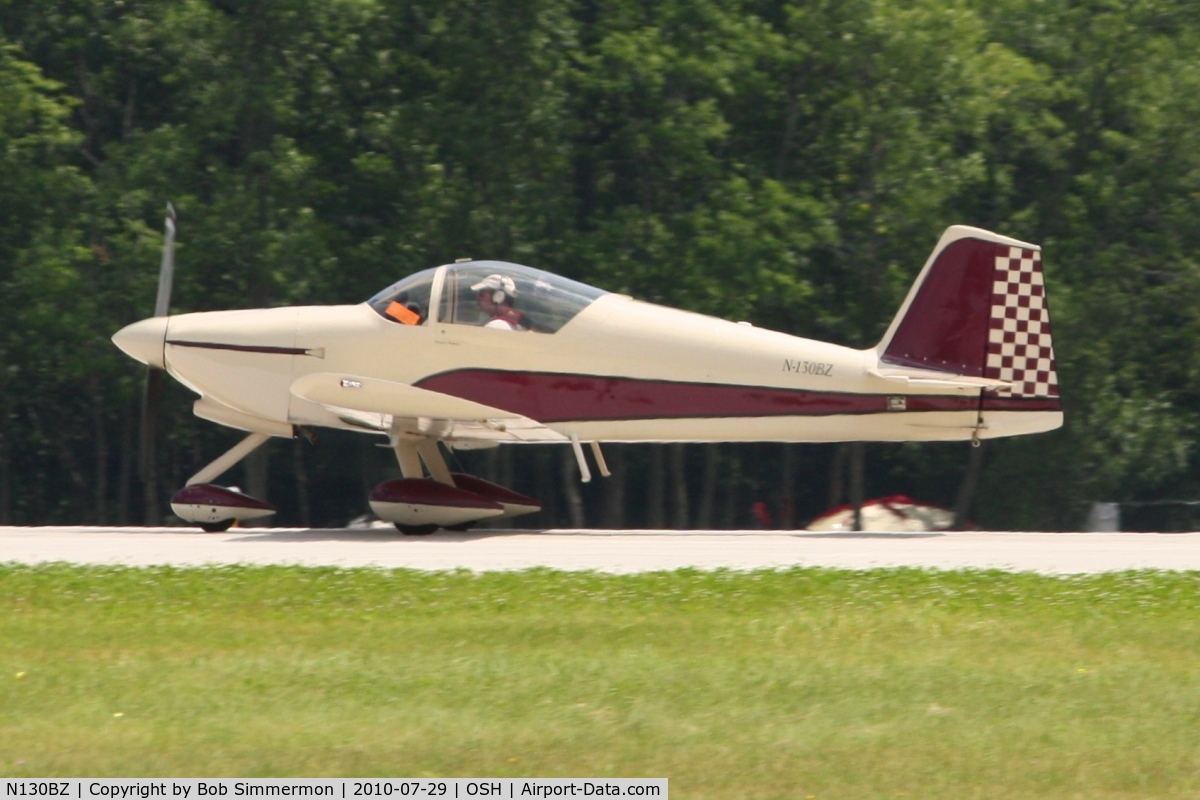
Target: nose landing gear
[214, 508]
[416, 505]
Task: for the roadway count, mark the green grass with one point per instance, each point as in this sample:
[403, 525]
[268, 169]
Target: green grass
[766, 684]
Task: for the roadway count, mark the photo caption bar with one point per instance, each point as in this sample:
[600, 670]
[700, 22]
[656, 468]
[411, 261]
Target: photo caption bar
[339, 788]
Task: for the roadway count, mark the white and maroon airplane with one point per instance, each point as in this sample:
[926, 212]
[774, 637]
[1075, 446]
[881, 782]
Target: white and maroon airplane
[479, 353]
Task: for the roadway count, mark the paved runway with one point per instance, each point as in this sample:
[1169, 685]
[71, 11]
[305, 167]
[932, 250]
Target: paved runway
[606, 551]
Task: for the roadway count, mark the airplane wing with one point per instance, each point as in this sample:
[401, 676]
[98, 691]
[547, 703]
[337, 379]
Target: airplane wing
[379, 405]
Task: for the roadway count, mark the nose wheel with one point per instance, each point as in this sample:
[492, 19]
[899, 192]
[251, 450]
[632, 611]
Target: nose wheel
[415, 530]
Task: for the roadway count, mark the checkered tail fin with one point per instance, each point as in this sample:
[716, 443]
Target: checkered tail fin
[978, 309]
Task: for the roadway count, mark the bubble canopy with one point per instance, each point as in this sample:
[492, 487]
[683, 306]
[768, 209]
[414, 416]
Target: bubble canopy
[544, 301]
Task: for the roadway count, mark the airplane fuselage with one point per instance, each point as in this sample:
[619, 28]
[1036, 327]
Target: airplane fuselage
[621, 370]
[478, 353]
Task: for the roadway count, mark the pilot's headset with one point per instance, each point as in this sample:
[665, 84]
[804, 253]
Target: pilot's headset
[503, 287]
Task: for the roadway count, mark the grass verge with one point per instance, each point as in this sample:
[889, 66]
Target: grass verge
[798, 683]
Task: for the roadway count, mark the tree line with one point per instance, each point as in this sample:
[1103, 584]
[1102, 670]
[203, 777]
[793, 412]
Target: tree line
[787, 162]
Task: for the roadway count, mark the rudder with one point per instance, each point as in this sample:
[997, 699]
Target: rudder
[978, 309]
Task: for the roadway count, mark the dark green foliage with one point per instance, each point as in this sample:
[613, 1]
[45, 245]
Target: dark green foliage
[790, 163]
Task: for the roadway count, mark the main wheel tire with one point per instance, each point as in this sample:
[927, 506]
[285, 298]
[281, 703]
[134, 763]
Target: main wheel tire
[216, 527]
[462, 526]
[416, 530]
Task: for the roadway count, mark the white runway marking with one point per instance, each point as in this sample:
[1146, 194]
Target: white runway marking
[605, 551]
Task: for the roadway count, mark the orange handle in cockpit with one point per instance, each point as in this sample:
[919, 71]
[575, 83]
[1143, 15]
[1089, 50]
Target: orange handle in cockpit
[402, 314]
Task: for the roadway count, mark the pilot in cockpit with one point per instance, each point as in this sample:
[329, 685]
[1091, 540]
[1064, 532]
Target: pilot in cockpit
[496, 294]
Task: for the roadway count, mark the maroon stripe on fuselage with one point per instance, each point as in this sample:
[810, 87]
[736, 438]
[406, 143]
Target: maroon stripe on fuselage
[993, 402]
[556, 397]
[244, 348]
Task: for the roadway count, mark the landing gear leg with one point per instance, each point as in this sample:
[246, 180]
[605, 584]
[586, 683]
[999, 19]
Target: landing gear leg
[229, 458]
[409, 458]
[434, 462]
[413, 451]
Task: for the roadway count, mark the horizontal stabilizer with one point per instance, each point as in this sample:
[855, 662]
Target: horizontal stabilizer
[939, 380]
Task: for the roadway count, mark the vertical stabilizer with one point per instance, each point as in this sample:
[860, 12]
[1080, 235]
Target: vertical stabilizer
[978, 309]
